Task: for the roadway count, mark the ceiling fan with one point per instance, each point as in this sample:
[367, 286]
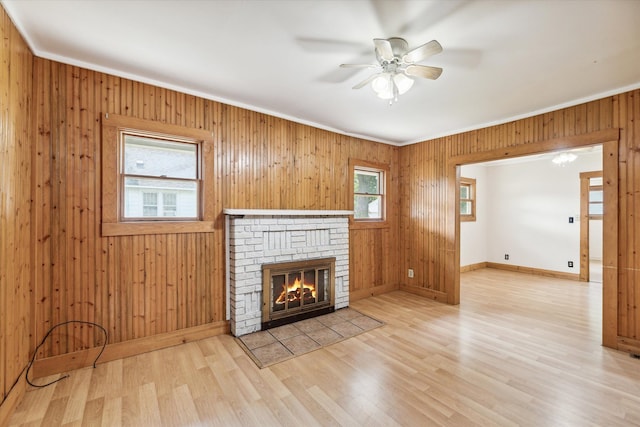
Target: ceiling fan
[397, 67]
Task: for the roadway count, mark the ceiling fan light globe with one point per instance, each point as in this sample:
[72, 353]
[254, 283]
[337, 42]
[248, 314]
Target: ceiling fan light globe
[381, 84]
[388, 94]
[403, 83]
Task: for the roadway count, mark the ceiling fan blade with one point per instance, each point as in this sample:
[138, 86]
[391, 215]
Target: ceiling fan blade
[432, 13]
[383, 48]
[358, 66]
[423, 71]
[366, 81]
[422, 52]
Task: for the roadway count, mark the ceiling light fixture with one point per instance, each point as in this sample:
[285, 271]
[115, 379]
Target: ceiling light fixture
[390, 85]
[397, 67]
[563, 158]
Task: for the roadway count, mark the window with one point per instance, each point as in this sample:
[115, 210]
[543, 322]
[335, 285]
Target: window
[368, 194]
[369, 191]
[154, 172]
[156, 178]
[467, 199]
[591, 195]
[596, 198]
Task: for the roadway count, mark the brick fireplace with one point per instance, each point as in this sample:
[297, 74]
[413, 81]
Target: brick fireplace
[293, 244]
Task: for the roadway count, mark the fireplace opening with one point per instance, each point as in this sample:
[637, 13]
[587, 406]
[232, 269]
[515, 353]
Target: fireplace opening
[295, 291]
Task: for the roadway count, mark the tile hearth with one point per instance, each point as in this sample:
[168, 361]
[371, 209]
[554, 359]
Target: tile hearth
[284, 342]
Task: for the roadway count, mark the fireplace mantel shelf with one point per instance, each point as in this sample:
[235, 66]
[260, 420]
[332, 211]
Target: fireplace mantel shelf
[284, 212]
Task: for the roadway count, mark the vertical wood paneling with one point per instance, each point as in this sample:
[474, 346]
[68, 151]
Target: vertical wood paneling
[42, 202]
[611, 237]
[16, 152]
[140, 286]
[629, 244]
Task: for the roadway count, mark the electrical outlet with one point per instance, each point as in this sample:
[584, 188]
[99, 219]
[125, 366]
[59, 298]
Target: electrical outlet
[570, 220]
[570, 264]
[506, 257]
[411, 273]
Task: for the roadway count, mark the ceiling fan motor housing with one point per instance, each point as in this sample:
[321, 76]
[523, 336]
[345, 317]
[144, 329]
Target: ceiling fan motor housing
[399, 47]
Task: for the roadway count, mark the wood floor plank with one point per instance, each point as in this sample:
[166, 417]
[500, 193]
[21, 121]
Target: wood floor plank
[74, 410]
[112, 412]
[149, 414]
[518, 350]
[179, 408]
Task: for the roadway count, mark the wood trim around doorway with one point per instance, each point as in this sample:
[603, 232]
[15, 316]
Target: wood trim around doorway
[585, 180]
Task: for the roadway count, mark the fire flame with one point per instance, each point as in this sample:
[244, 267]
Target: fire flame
[296, 291]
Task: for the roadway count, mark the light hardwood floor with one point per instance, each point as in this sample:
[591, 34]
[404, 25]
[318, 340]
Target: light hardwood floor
[518, 350]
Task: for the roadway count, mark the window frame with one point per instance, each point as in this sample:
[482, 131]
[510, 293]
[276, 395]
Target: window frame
[114, 127]
[586, 186]
[598, 187]
[175, 140]
[383, 169]
[471, 183]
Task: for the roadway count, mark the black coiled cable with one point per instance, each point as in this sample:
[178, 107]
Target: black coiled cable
[35, 352]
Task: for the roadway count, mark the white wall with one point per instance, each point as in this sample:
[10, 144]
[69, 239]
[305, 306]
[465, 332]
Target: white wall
[595, 239]
[528, 205]
[473, 234]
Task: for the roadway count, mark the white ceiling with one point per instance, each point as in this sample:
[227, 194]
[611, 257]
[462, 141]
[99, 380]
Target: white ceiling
[502, 60]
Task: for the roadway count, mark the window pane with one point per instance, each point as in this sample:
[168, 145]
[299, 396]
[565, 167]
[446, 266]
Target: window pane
[169, 204]
[367, 207]
[596, 209]
[179, 198]
[465, 208]
[464, 192]
[149, 204]
[150, 199]
[156, 157]
[596, 196]
[366, 182]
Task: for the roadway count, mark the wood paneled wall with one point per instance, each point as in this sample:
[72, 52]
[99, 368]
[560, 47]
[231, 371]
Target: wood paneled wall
[15, 205]
[626, 115]
[429, 245]
[55, 265]
[422, 221]
[141, 286]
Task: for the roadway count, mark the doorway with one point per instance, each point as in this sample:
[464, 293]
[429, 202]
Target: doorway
[531, 216]
[609, 140]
